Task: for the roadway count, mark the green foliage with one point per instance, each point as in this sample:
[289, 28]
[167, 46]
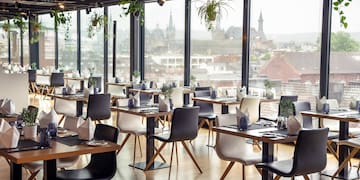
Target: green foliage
[136, 74]
[29, 116]
[167, 90]
[268, 84]
[210, 10]
[96, 23]
[339, 5]
[286, 108]
[133, 7]
[343, 42]
[36, 28]
[19, 23]
[62, 19]
[33, 66]
[6, 27]
[92, 81]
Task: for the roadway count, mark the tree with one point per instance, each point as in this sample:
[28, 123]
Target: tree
[343, 42]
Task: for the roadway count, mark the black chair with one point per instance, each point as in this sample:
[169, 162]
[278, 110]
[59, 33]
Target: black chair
[202, 88]
[307, 123]
[309, 156]
[32, 81]
[99, 107]
[184, 126]
[206, 113]
[102, 165]
[96, 80]
[56, 80]
[280, 110]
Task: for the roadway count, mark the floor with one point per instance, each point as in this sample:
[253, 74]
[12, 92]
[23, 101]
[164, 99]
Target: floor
[208, 160]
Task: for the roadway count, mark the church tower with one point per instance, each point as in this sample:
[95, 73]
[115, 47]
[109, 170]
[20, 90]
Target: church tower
[170, 30]
[261, 27]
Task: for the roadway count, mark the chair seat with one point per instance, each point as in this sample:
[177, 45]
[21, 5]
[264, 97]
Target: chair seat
[244, 155]
[282, 168]
[84, 174]
[209, 116]
[139, 131]
[163, 136]
[333, 135]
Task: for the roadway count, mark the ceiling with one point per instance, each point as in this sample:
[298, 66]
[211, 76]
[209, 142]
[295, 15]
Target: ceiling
[11, 8]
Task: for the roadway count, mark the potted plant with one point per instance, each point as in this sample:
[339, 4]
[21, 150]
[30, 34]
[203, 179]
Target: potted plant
[6, 27]
[96, 23]
[268, 93]
[36, 28]
[211, 10]
[133, 7]
[29, 117]
[136, 77]
[33, 66]
[61, 19]
[167, 102]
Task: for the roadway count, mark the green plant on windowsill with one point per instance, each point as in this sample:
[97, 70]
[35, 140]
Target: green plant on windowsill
[20, 23]
[61, 19]
[211, 10]
[36, 27]
[133, 7]
[97, 21]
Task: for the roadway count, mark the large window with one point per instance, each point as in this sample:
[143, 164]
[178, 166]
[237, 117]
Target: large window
[15, 44]
[216, 54]
[345, 56]
[284, 48]
[122, 43]
[67, 34]
[47, 41]
[92, 47]
[164, 42]
[3, 44]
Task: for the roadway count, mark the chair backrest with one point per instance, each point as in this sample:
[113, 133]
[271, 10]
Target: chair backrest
[310, 151]
[145, 98]
[97, 80]
[57, 79]
[303, 106]
[204, 106]
[99, 107]
[184, 124]
[104, 162]
[204, 88]
[287, 98]
[251, 106]
[65, 107]
[32, 75]
[128, 122]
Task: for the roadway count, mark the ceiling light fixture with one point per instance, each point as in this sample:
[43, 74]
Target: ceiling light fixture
[161, 2]
[61, 6]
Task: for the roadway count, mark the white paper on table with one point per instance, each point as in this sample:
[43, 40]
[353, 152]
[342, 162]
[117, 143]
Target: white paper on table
[86, 129]
[46, 118]
[9, 136]
[122, 102]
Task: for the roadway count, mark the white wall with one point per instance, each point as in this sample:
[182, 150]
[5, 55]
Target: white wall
[15, 87]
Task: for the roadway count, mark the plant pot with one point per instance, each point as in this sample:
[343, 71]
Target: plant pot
[30, 132]
[94, 23]
[136, 80]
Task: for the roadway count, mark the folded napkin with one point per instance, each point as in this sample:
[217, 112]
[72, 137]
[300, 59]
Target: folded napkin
[122, 102]
[7, 106]
[9, 135]
[46, 118]
[353, 102]
[70, 89]
[240, 93]
[86, 129]
[137, 100]
[86, 92]
[293, 126]
[320, 103]
[72, 123]
[164, 105]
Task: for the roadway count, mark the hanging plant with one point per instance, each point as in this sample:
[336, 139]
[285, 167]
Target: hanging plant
[96, 23]
[36, 27]
[339, 6]
[211, 10]
[133, 7]
[19, 22]
[62, 19]
[6, 27]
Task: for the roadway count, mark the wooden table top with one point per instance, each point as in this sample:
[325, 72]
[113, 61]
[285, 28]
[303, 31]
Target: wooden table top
[147, 91]
[75, 97]
[57, 150]
[144, 112]
[126, 84]
[9, 118]
[257, 134]
[339, 115]
[76, 78]
[219, 100]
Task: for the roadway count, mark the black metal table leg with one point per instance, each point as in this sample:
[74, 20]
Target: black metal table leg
[186, 99]
[50, 169]
[224, 109]
[267, 156]
[15, 171]
[156, 99]
[79, 108]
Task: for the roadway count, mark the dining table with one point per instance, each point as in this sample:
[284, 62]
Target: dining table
[152, 91]
[260, 132]
[33, 152]
[151, 113]
[344, 116]
[223, 101]
[79, 98]
[125, 85]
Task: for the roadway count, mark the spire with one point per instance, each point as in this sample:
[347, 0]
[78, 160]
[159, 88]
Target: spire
[261, 27]
[171, 24]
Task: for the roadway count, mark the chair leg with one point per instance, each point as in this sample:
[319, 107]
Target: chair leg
[61, 119]
[202, 122]
[172, 153]
[155, 155]
[191, 156]
[134, 152]
[123, 143]
[306, 177]
[177, 155]
[243, 170]
[209, 132]
[33, 175]
[277, 177]
[161, 156]
[139, 145]
[344, 163]
[227, 170]
[332, 150]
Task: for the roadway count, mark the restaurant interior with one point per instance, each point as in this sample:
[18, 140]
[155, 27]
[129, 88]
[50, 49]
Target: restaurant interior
[121, 89]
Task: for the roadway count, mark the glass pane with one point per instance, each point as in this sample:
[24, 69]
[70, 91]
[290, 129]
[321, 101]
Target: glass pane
[345, 57]
[284, 52]
[164, 42]
[122, 43]
[47, 41]
[92, 48]
[3, 44]
[216, 55]
[68, 43]
[15, 44]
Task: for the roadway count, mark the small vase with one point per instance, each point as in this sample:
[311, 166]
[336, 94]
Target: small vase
[30, 132]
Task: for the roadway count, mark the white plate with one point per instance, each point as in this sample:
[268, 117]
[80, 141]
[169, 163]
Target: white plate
[269, 135]
[62, 131]
[97, 143]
